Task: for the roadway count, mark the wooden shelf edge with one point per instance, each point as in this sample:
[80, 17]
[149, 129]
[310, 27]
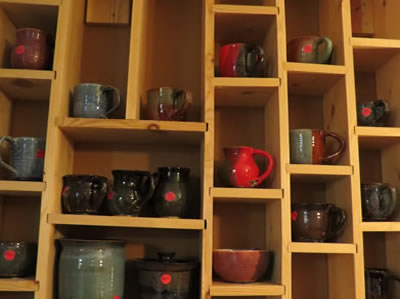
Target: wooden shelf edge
[126, 221]
[380, 226]
[377, 132]
[246, 193]
[246, 82]
[219, 288]
[18, 285]
[313, 68]
[329, 248]
[375, 43]
[34, 2]
[305, 169]
[27, 74]
[244, 9]
[11, 187]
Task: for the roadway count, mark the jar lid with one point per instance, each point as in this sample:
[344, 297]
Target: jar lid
[166, 262]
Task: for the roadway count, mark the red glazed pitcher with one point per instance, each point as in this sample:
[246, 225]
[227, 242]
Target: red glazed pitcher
[243, 170]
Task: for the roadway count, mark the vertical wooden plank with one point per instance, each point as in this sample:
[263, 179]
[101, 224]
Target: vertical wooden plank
[7, 38]
[108, 12]
[362, 18]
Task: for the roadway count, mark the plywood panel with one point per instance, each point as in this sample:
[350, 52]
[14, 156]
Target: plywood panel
[108, 12]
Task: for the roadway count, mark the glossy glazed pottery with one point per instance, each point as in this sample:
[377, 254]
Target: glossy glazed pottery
[17, 259]
[373, 114]
[83, 194]
[317, 222]
[378, 201]
[240, 60]
[131, 190]
[26, 157]
[166, 277]
[171, 197]
[31, 50]
[307, 146]
[377, 283]
[243, 170]
[166, 103]
[92, 100]
[91, 269]
[241, 266]
[310, 49]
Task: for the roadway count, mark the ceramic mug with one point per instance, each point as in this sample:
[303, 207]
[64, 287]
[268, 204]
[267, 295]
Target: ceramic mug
[310, 49]
[374, 113]
[166, 103]
[307, 146]
[317, 222]
[377, 282]
[27, 157]
[92, 100]
[240, 60]
[378, 201]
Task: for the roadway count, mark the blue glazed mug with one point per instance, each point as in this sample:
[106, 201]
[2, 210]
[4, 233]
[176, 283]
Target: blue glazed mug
[92, 100]
[27, 157]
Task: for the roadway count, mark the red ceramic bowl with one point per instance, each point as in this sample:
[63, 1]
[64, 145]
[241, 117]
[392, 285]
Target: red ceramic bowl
[241, 266]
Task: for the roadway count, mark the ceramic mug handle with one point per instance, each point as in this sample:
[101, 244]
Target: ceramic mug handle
[393, 193]
[338, 223]
[118, 95]
[342, 146]
[268, 171]
[187, 101]
[259, 52]
[151, 182]
[2, 163]
[328, 52]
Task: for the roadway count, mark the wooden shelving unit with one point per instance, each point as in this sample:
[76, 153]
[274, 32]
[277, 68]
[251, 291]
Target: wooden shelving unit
[176, 43]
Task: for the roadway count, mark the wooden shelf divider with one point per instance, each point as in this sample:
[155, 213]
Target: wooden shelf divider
[245, 195]
[329, 248]
[245, 82]
[21, 188]
[380, 226]
[377, 137]
[18, 285]
[35, 2]
[244, 9]
[220, 288]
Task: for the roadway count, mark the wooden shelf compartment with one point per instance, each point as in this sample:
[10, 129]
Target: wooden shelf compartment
[246, 195]
[387, 226]
[326, 248]
[18, 285]
[244, 9]
[132, 131]
[377, 137]
[248, 26]
[318, 173]
[16, 188]
[219, 288]
[317, 18]
[126, 221]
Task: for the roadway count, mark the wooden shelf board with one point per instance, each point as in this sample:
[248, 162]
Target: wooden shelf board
[318, 173]
[219, 288]
[312, 79]
[377, 137]
[245, 195]
[126, 221]
[244, 9]
[333, 248]
[26, 84]
[380, 226]
[18, 285]
[244, 92]
[15, 188]
[35, 2]
[372, 53]
[86, 130]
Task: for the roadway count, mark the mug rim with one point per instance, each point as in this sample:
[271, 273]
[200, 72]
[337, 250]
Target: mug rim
[374, 183]
[238, 146]
[28, 138]
[163, 87]
[83, 175]
[293, 130]
[303, 204]
[88, 83]
[31, 28]
[306, 36]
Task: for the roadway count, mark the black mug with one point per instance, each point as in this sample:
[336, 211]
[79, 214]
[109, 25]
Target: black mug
[377, 282]
[378, 201]
[374, 113]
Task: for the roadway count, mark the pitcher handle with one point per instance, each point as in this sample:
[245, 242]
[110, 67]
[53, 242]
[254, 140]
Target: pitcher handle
[340, 220]
[329, 49]
[267, 172]
[260, 59]
[2, 163]
[118, 95]
[147, 193]
[393, 204]
[342, 146]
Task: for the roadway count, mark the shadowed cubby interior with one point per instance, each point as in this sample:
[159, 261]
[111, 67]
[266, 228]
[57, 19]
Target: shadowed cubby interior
[381, 251]
[317, 276]
[322, 108]
[317, 18]
[258, 30]
[337, 192]
[142, 243]
[16, 295]
[249, 297]
[246, 2]
[371, 18]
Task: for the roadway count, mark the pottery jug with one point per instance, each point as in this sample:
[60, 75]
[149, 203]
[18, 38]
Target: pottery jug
[90, 269]
[374, 113]
[377, 283]
[166, 277]
[378, 201]
[172, 192]
[310, 49]
[27, 157]
[131, 191]
[243, 170]
[31, 50]
[83, 194]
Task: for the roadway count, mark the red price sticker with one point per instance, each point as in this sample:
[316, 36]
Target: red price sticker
[9, 255]
[116, 297]
[307, 48]
[20, 50]
[170, 196]
[294, 215]
[66, 188]
[110, 195]
[165, 279]
[40, 154]
[366, 111]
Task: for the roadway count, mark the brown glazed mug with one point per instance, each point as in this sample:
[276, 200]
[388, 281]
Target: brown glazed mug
[307, 146]
[317, 222]
[31, 50]
[310, 49]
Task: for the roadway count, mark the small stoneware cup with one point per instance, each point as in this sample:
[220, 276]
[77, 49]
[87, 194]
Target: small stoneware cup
[377, 283]
[374, 113]
[307, 146]
[17, 259]
[310, 49]
[378, 201]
